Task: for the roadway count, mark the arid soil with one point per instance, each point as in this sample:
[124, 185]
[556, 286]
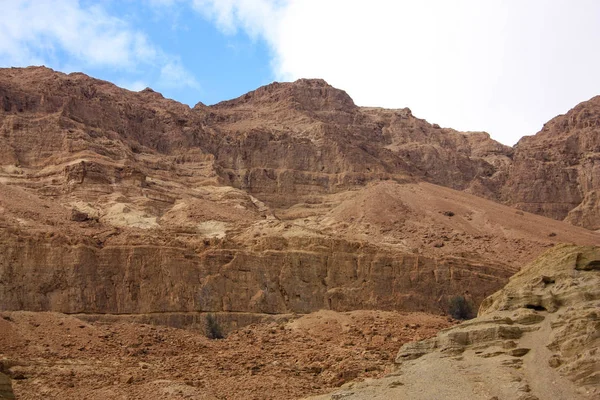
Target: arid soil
[54, 356]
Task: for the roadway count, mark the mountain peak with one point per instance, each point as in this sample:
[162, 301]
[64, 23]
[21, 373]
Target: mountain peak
[302, 94]
[316, 82]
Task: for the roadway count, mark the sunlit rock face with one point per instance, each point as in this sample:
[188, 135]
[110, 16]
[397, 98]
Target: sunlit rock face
[288, 199]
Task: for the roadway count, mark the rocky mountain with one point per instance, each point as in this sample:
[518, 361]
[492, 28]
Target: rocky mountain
[293, 208]
[556, 172]
[247, 142]
[289, 199]
[537, 338]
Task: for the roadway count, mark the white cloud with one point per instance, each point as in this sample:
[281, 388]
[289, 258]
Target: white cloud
[256, 17]
[501, 66]
[67, 33]
[35, 30]
[173, 75]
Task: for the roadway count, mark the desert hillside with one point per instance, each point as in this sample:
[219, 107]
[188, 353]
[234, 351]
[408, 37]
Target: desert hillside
[287, 199]
[122, 211]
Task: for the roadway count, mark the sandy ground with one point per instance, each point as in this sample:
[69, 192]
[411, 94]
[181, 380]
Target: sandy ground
[480, 373]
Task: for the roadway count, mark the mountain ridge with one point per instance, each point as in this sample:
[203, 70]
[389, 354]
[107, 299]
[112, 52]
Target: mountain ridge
[365, 142]
[296, 208]
[289, 207]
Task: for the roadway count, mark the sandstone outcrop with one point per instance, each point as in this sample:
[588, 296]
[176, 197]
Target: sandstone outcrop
[351, 255]
[537, 338]
[289, 199]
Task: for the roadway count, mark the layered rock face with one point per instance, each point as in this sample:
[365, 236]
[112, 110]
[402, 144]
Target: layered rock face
[288, 199]
[537, 338]
[556, 172]
[307, 137]
[287, 141]
[101, 265]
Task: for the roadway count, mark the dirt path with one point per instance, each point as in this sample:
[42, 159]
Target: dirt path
[545, 382]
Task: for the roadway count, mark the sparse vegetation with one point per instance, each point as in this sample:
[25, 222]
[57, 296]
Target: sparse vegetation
[460, 308]
[213, 329]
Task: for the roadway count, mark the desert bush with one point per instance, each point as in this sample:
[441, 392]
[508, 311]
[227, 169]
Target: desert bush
[460, 308]
[213, 329]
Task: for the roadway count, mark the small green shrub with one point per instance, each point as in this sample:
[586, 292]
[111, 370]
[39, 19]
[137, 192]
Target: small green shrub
[213, 329]
[460, 308]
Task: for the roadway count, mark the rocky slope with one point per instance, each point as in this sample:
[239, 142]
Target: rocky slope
[289, 199]
[55, 356]
[537, 338]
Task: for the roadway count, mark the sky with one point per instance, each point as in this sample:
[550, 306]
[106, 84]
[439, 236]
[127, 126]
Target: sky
[501, 66]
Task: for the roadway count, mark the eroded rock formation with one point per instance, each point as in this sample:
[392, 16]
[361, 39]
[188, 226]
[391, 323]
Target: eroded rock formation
[288, 199]
[537, 338]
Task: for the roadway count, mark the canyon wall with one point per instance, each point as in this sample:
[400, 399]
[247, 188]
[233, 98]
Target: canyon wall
[288, 199]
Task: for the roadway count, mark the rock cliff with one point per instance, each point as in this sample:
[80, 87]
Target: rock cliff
[288, 199]
[556, 172]
[287, 141]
